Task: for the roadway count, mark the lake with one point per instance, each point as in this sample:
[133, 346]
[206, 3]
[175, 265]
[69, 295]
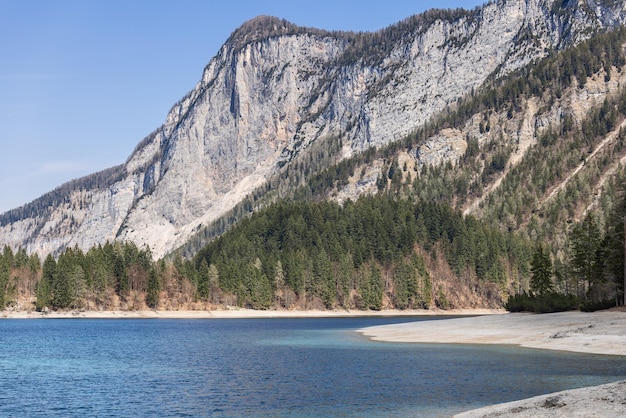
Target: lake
[266, 367]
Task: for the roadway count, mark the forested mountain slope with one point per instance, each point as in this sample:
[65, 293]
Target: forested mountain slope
[532, 164]
[283, 102]
[526, 173]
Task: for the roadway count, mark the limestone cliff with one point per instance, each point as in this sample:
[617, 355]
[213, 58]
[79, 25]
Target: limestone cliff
[273, 90]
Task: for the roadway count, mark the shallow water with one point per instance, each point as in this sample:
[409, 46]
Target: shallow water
[265, 367]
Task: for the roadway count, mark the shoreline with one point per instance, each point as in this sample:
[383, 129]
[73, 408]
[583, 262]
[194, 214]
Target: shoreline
[595, 401]
[602, 332]
[241, 313]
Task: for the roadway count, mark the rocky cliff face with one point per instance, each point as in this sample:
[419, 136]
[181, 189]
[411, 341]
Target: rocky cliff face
[273, 90]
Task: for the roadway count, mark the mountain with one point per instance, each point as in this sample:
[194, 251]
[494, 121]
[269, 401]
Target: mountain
[279, 99]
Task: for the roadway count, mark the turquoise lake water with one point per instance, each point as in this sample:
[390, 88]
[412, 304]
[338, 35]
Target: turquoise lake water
[265, 367]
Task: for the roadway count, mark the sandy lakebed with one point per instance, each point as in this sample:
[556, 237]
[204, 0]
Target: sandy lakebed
[599, 332]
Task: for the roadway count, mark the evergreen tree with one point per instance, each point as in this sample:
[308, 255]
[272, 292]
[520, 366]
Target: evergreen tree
[404, 289]
[77, 287]
[5, 273]
[345, 269]
[63, 285]
[257, 289]
[373, 289]
[152, 292]
[214, 288]
[45, 284]
[323, 278]
[279, 285]
[100, 272]
[584, 245]
[203, 281]
[121, 275]
[541, 269]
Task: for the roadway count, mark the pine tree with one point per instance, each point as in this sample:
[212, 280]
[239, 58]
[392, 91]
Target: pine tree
[44, 286]
[152, 292]
[214, 279]
[77, 287]
[323, 278]
[344, 279]
[584, 246]
[279, 284]
[5, 273]
[121, 276]
[203, 281]
[100, 275]
[541, 269]
[258, 291]
[404, 282]
[374, 289]
[65, 279]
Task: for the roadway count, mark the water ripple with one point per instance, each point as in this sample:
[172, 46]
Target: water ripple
[269, 367]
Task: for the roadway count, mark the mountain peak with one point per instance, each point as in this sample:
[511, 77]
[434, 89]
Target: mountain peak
[259, 28]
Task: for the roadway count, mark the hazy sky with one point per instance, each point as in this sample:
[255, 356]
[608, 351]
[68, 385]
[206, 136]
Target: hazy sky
[83, 81]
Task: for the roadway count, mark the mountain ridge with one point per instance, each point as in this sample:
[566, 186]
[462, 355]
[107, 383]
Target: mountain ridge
[266, 99]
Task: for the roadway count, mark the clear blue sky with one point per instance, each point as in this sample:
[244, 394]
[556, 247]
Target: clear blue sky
[83, 81]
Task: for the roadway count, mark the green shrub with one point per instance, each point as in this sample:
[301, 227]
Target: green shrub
[546, 303]
[597, 306]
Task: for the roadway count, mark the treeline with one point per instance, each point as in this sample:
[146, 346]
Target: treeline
[595, 258]
[374, 253]
[551, 75]
[111, 276]
[352, 256]
[19, 274]
[589, 277]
